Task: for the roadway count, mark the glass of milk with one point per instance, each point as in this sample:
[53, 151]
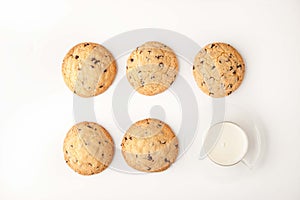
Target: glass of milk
[237, 138]
[227, 143]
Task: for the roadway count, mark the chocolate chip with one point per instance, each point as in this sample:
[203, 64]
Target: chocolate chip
[66, 152]
[67, 161]
[239, 66]
[230, 85]
[202, 61]
[136, 155]
[95, 61]
[211, 93]
[213, 67]
[105, 71]
[234, 72]
[148, 168]
[89, 126]
[130, 138]
[149, 52]
[193, 67]
[159, 56]
[71, 145]
[126, 67]
[131, 59]
[176, 145]
[76, 57]
[161, 64]
[149, 157]
[220, 61]
[231, 68]
[166, 160]
[139, 71]
[212, 45]
[229, 92]
[86, 44]
[101, 86]
[92, 66]
[152, 77]
[99, 142]
[90, 164]
[125, 138]
[78, 68]
[102, 155]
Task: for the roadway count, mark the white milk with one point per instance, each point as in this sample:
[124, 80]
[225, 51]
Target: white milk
[230, 144]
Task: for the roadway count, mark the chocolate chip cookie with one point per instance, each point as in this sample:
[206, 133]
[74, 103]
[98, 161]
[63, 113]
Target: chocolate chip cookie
[152, 68]
[89, 69]
[150, 145]
[218, 69]
[88, 148]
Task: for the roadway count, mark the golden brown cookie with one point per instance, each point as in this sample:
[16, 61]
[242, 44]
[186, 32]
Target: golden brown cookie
[152, 68]
[88, 148]
[89, 69]
[150, 145]
[218, 69]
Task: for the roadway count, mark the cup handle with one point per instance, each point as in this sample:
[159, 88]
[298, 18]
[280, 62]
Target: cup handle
[247, 163]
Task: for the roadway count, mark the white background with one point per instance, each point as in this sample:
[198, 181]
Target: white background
[36, 106]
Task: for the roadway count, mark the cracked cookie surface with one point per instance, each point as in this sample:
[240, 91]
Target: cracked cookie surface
[89, 69]
[150, 145]
[152, 68]
[88, 148]
[218, 69]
